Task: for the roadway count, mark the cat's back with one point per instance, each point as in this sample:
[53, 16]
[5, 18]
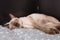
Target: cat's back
[37, 16]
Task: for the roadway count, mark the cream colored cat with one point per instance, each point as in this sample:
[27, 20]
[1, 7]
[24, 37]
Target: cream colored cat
[43, 22]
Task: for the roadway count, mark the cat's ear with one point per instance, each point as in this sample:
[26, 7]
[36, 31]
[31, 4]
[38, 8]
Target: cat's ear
[6, 24]
[12, 16]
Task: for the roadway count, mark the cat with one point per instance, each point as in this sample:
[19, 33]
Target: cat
[45, 23]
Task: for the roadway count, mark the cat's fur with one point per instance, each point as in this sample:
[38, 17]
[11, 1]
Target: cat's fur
[43, 22]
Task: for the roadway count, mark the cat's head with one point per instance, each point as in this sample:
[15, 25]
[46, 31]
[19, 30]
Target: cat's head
[13, 23]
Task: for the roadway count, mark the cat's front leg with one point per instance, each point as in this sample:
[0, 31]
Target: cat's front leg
[28, 26]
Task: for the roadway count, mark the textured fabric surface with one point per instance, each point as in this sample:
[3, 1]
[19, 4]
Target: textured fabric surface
[25, 34]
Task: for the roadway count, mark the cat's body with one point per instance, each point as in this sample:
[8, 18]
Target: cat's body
[42, 22]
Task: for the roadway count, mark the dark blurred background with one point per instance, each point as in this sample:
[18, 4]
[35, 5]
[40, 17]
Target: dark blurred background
[21, 8]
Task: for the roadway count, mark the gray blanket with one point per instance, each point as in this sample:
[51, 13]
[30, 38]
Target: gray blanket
[25, 34]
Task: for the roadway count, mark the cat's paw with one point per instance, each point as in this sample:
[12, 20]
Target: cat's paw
[52, 31]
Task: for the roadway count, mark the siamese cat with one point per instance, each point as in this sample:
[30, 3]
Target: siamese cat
[45, 23]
